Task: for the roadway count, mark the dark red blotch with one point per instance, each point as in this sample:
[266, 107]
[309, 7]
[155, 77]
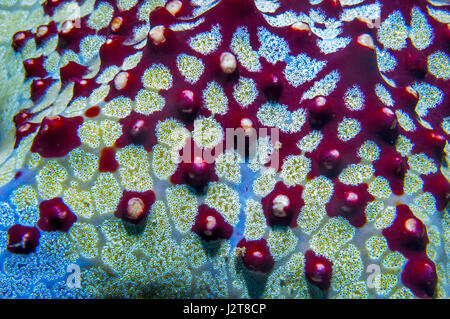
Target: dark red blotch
[54, 215]
[57, 136]
[255, 255]
[318, 270]
[210, 224]
[22, 239]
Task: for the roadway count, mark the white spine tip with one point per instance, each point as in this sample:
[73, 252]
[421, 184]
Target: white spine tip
[300, 26]
[279, 205]
[366, 41]
[135, 207]
[156, 34]
[121, 80]
[211, 223]
[116, 23]
[67, 26]
[321, 101]
[174, 7]
[19, 36]
[228, 63]
[411, 225]
[411, 91]
[41, 31]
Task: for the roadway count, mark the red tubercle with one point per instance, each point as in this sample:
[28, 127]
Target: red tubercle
[283, 205]
[161, 42]
[419, 275]
[194, 171]
[161, 16]
[188, 105]
[135, 206]
[210, 225]
[71, 33]
[39, 87]
[34, 67]
[416, 63]
[72, 71]
[84, 87]
[318, 270]
[383, 125]
[114, 51]
[22, 117]
[125, 22]
[349, 202]
[45, 32]
[22, 239]
[57, 136]
[405, 97]
[23, 130]
[18, 175]
[107, 161]
[20, 39]
[332, 155]
[437, 185]
[407, 234]
[125, 83]
[255, 255]
[430, 142]
[23, 126]
[161, 39]
[138, 129]
[412, 67]
[320, 112]
[392, 166]
[330, 162]
[244, 127]
[271, 86]
[54, 215]
[92, 112]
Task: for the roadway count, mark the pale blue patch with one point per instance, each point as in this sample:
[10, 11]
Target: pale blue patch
[384, 95]
[442, 16]
[273, 48]
[6, 288]
[386, 61]
[328, 46]
[302, 69]
[22, 286]
[393, 32]
[6, 215]
[439, 65]
[429, 97]
[55, 253]
[3, 241]
[446, 125]
[369, 12]
[28, 216]
[267, 5]
[62, 291]
[284, 19]
[323, 87]
[329, 28]
[41, 291]
[420, 33]
[22, 266]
